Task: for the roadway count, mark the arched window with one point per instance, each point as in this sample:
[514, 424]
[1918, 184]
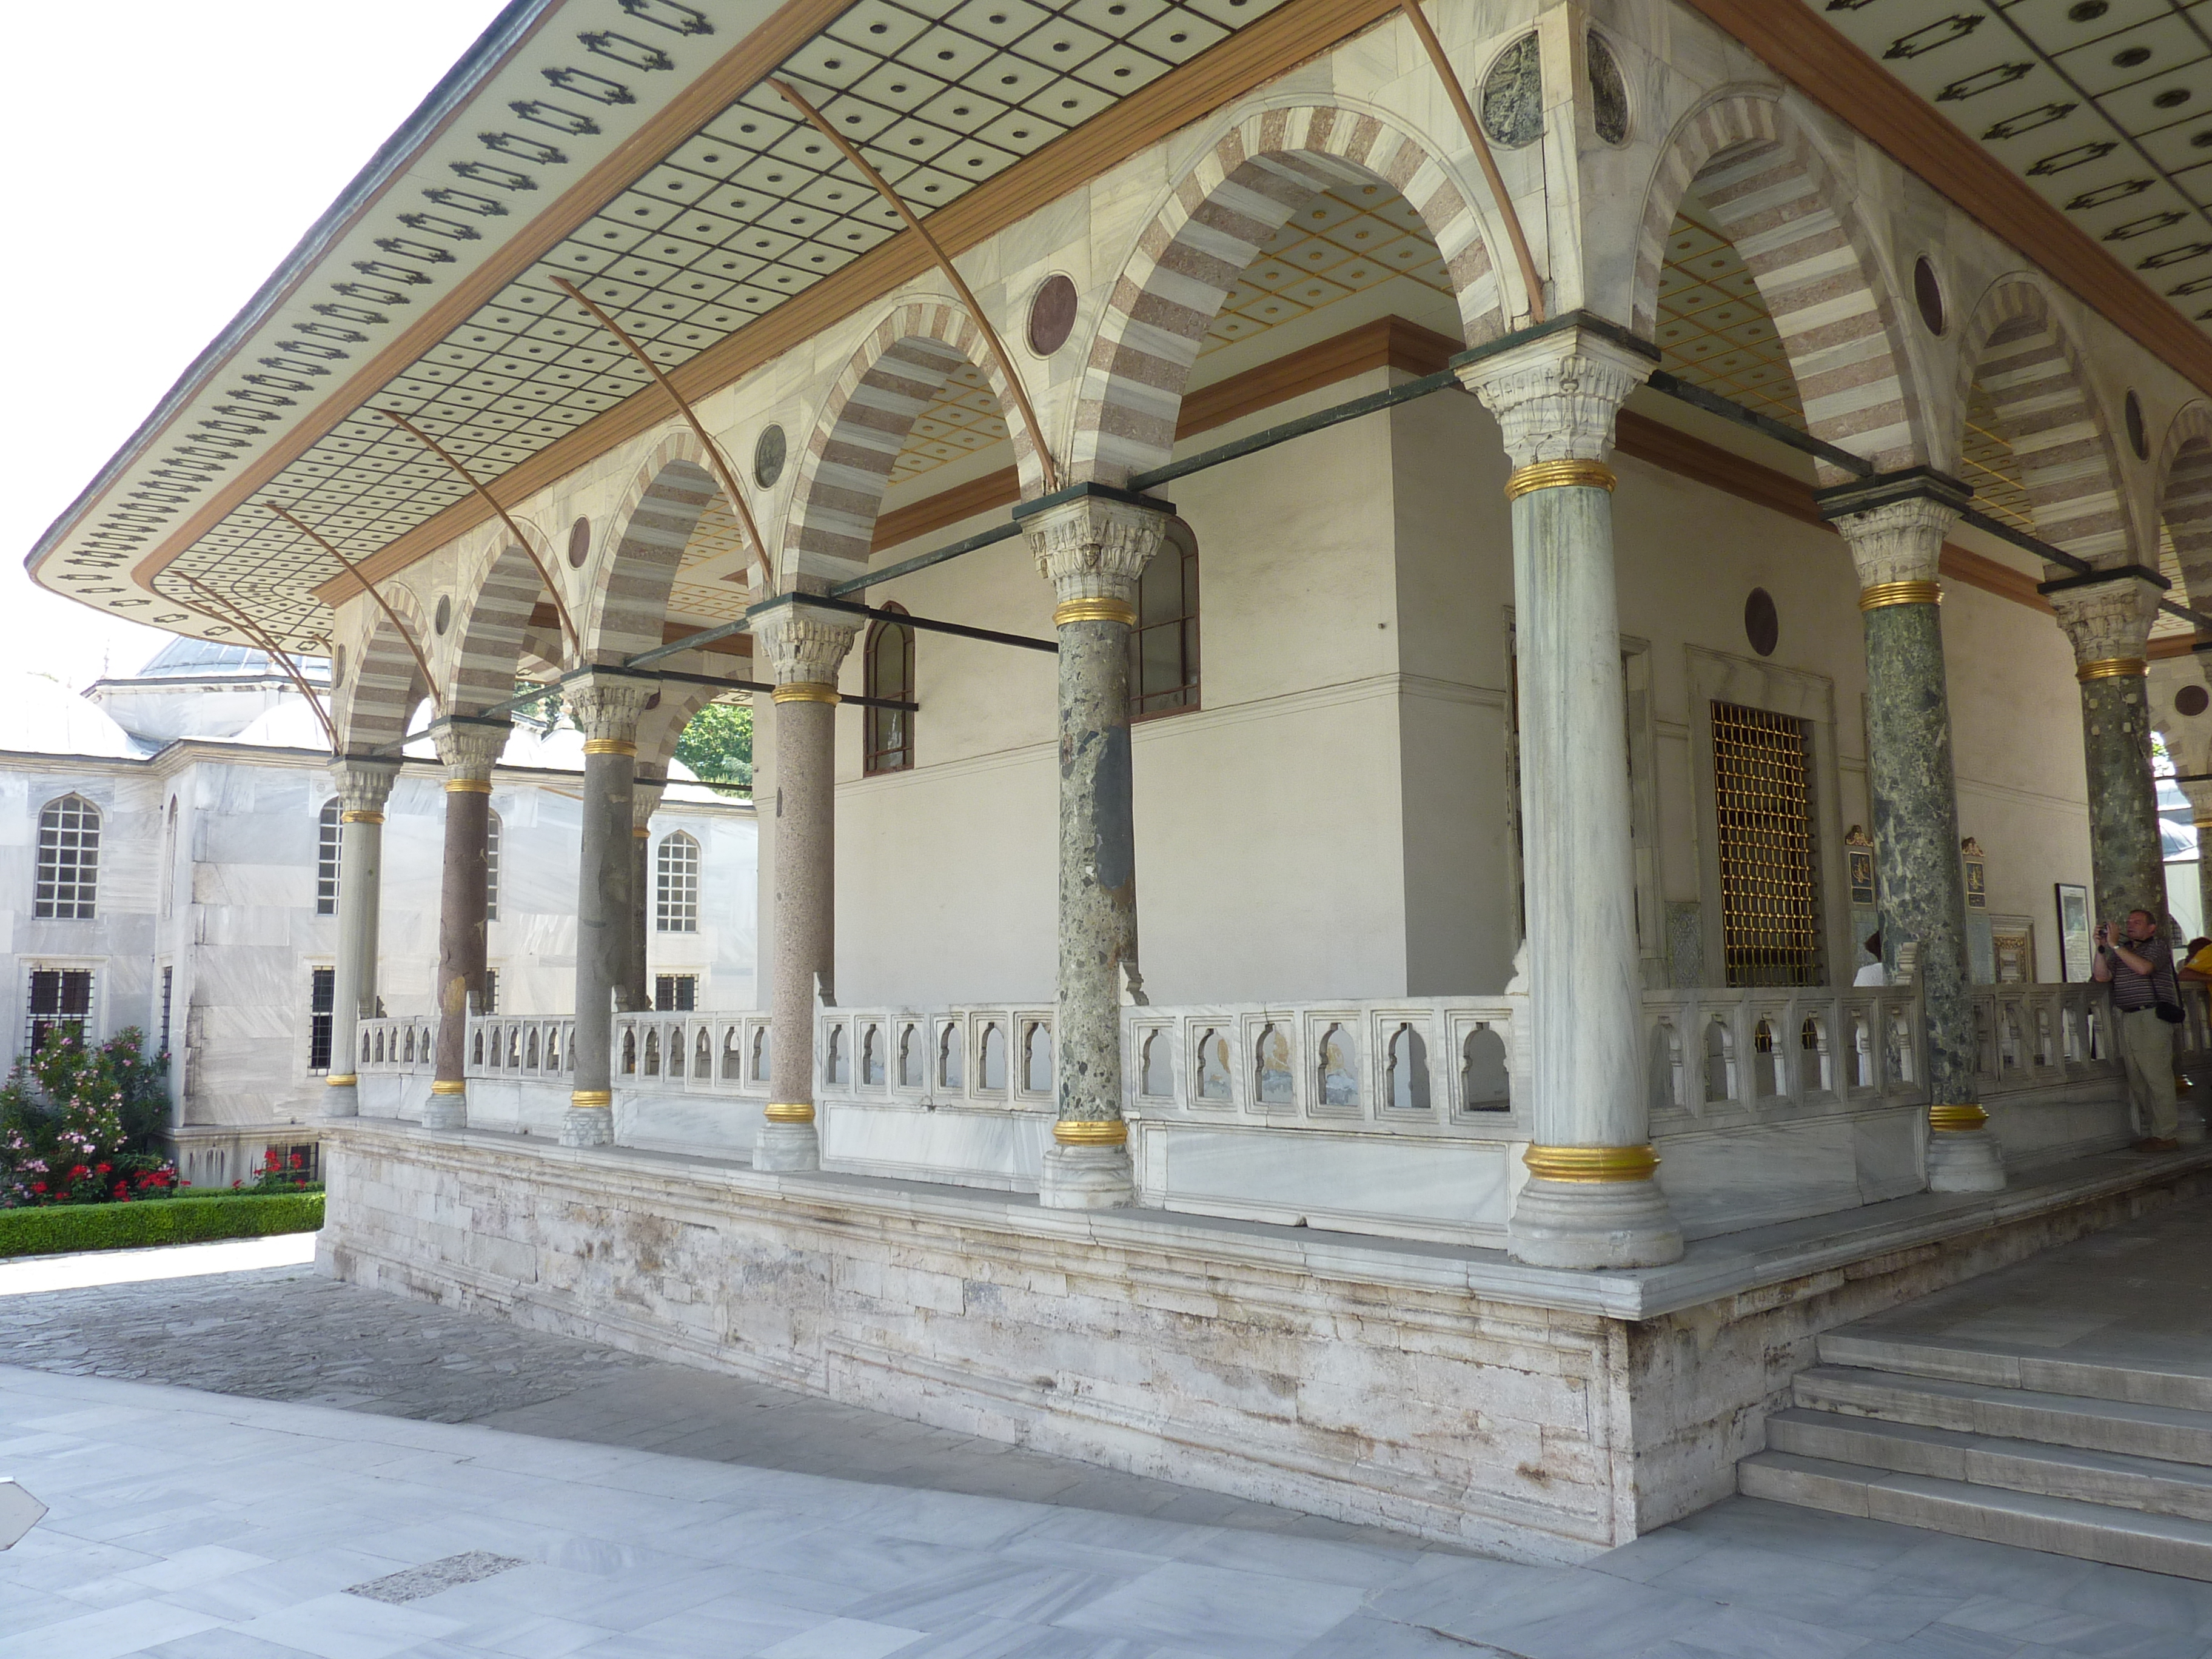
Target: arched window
[491, 866]
[1163, 645]
[68, 859]
[169, 859]
[326, 858]
[890, 740]
[676, 908]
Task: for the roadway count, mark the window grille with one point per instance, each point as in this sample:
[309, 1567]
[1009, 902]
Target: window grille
[168, 982]
[675, 993]
[890, 732]
[322, 1002]
[61, 1006]
[1163, 645]
[326, 862]
[487, 999]
[69, 859]
[1770, 867]
[491, 874]
[676, 906]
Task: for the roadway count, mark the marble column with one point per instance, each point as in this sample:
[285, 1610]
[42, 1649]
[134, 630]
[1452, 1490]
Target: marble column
[469, 749]
[636, 990]
[803, 648]
[2107, 618]
[606, 705]
[1895, 527]
[364, 785]
[1593, 1198]
[1092, 543]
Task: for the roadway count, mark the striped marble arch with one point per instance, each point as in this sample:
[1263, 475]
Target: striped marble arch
[2184, 498]
[2020, 354]
[1235, 196]
[896, 374]
[1771, 195]
[627, 601]
[662, 725]
[383, 685]
[494, 623]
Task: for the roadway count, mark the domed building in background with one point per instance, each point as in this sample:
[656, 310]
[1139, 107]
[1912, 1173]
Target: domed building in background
[168, 861]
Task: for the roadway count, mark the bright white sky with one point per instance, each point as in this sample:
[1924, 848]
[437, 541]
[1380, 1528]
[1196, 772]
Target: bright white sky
[150, 198]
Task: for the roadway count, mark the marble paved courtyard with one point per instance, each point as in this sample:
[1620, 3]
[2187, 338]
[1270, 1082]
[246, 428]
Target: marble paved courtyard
[264, 1464]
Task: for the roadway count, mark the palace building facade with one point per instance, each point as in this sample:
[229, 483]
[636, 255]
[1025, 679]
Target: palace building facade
[1553, 525]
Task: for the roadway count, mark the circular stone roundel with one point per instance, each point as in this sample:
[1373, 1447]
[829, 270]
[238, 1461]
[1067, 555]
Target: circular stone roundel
[580, 543]
[768, 457]
[1762, 625]
[338, 668]
[1928, 295]
[1052, 315]
[445, 617]
[2192, 699]
[2138, 437]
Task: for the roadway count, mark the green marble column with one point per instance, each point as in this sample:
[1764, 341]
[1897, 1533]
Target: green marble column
[1895, 527]
[2107, 618]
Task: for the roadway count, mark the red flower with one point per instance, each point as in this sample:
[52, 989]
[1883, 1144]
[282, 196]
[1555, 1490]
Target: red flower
[38, 1186]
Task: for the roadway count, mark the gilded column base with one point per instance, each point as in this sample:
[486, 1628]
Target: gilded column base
[1590, 1207]
[590, 1119]
[447, 1107]
[1092, 1172]
[1963, 1156]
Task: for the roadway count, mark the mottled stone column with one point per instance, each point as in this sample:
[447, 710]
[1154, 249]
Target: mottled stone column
[364, 786]
[1593, 1198]
[2107, 618]
[1092, 543]
[803, 648]
[1895, 527]
[607, 704]
[636, 989]
[469, 749]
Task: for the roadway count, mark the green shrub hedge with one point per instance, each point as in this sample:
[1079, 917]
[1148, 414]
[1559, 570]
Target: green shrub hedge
[55, 1229]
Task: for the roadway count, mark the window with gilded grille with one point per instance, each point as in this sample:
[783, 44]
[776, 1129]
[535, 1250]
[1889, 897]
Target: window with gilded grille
[890, 732]
[1769, 863]
[1163, 645]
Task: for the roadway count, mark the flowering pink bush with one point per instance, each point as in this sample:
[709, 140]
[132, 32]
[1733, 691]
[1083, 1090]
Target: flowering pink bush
[76, 1126]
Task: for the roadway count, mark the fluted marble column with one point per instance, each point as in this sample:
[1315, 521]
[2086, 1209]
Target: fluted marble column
[804, 649]
[607, 704]
[1593, 1198]
[1895, 527]
[1092, 543]
[2107, 618]
[645, 801]
[469, 748]
[364, 785]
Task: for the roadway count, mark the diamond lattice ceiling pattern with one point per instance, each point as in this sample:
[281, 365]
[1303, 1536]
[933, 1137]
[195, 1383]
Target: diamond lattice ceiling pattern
[751, 209]
[2104, 107]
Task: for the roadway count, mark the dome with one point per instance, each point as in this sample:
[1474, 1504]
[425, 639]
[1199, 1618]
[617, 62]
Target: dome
[40, 716]
[290, 725]
[183, 659]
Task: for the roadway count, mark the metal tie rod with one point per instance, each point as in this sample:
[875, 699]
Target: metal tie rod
[854, 607]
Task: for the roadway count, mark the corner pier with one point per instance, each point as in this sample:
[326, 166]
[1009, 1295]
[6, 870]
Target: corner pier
[1443, 1390]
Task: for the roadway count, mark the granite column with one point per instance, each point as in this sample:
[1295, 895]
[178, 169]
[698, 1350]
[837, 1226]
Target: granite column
[1895, 527]
[803, 648]
[1092, 543]
[607, 704]
[364, 785]
[469, 748]
[2107, 618]
[1593, 1198]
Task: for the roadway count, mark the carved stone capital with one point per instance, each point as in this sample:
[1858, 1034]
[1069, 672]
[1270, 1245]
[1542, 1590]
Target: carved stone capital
[645, 801]
[1094, 547]
[1557, 395]
[364, 785]
[607, 707]
[803, 646]
[1899, 541]
[470, 748]
[2200, 802]
[2107, 622]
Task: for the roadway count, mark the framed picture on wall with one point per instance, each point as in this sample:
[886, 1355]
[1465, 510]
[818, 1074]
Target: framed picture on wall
[2074, 954]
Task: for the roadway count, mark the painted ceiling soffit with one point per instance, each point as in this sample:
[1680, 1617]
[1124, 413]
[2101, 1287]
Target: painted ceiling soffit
[312, 367]
[1835, 72]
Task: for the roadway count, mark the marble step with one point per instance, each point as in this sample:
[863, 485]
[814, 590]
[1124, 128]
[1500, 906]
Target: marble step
[2149, 1483]
[2151, 1382]
[2060, 1526]
[2167, 1432]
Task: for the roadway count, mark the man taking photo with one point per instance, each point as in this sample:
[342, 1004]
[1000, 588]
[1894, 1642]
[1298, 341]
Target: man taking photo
[2136, 962]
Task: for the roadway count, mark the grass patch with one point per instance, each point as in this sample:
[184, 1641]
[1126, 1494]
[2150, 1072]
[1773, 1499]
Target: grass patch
[60, 1229]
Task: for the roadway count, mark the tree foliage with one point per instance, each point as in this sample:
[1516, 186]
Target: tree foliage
[718, 746]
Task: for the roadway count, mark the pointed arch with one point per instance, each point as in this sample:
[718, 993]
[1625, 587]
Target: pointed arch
[896, 373]
[2185, 498]
[487, 652]
[1235, 196]
[628, 599]
[383, 685]
[2017, 346]
[662, 725]
[1778, 201]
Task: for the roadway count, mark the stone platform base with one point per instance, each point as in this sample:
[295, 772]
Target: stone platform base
[1436, 1390]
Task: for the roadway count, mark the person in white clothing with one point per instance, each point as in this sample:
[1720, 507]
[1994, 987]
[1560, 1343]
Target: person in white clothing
[1873, 973]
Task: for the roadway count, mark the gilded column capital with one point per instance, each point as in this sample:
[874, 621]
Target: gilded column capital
[804, 644]
[607, 707]
[1556, 395]
[364, 783]
[2107, 623]
[468, 747]
[1095, 544]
